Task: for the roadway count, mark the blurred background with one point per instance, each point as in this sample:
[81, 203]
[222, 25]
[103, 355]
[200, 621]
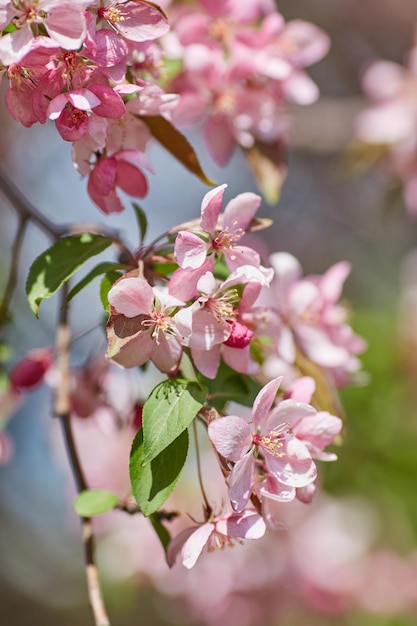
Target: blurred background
[350, 558]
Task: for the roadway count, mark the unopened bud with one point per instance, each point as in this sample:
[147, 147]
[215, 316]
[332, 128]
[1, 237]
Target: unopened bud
[240, 337]
[30, 371]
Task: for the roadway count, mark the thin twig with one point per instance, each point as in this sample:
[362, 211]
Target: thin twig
[200, 479]
[62, 411]
[14, 263]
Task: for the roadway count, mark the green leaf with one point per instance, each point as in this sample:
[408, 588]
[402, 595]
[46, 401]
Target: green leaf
[141, 220]
[101, 268]
[175, 142]
[168, 411]
[93, 502]
[230, 386]
[161, 531]
[106, 284]
[153, 483]
[58, 263]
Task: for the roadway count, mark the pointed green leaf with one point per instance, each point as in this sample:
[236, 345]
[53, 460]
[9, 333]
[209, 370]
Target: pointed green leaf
[93, 502]
[106, 284]
[230, 386]
[175, 142]
[161, 531]
[141, 220]
[168, 411]
[58, 263]
[101, 268]
[153, 483]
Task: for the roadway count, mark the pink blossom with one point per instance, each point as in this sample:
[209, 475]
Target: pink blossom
[64, 22]
[272, 448]
[224, 232]
[71, 110]
[137, 21]
[122, 170]
[217, 533]
[210, 327]
[24, 78]
[141, 325]
[312, 319]
[390, 120]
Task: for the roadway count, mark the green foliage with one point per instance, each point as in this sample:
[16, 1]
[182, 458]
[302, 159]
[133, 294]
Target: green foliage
[168, 411]
[380, 436]
[58, 263]
[153, 483]
[176, 144]
[229, 386]
[102, 268]
[161, 531]
[106, 284]
[141, 220]
[93, 502]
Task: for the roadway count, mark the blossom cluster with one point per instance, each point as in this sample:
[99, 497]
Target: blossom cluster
[89, 66]
[390, 121]
[240, 64]
[99, 68]
[212, 308]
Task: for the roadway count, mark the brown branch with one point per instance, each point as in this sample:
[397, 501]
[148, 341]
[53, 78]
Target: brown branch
[62, 411]
[28, 212]
[14, 262]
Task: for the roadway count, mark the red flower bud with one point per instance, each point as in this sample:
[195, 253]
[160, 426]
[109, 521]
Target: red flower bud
[240, 337]
[30, 371]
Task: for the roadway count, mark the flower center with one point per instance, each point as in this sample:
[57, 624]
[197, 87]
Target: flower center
[273, 442]
[111, 14]
[227, 239]
[160, 324]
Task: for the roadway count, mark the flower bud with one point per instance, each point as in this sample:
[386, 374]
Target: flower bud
[240, 337]
[30, 371]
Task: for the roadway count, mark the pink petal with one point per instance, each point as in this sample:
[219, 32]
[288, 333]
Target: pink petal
[247, 525]
[288, 411]
[295, 468]
[103, 177]
[190, 250]
[207, 361]
[319, 429]
[189, 543]
[241, 255]
[144, 22]
[132, 297]
[264, 400]
[207, 331]
[331, 283]
[194, 545]
[231, 436]
[183, 283]
[131, 180]
[241, 482]
[271, 488]
[67, 26]
[134, 351]
[299, 88]
[240, 211]
[211, 207]
[110, 103]
[166, 353]
[83, 99]
[301, 389]
[219, 138]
